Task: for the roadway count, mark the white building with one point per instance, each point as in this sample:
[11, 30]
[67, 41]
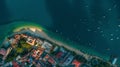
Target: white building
[39, 42]
[47, 46]
[56, 48]
[31, 41]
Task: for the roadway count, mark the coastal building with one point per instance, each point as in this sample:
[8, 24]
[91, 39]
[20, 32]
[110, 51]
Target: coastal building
[65, 56]
[43, 55]
[55, 48]
[62, 55]
[17, 37]
[52, 61]
[76, 63]
[37, 53]
[59, 54]
[38, 42]
[31, 41]
[47, 46]
[68, 60]
[63, 50]
[23, 35]
[46, 57]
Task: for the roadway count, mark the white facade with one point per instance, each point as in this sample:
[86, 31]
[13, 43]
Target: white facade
[47, 46]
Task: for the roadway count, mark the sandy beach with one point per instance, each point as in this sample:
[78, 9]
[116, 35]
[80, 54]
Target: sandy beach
[63, 44]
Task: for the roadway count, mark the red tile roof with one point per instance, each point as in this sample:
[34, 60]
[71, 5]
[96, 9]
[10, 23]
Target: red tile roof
[59, 55]
[51, 60]
[76, 63]
[47, 56]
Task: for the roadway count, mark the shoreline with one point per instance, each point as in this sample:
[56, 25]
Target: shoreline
[77, 46]
[15, 27]
[59, 43]
[56, 41]
[64, 45]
